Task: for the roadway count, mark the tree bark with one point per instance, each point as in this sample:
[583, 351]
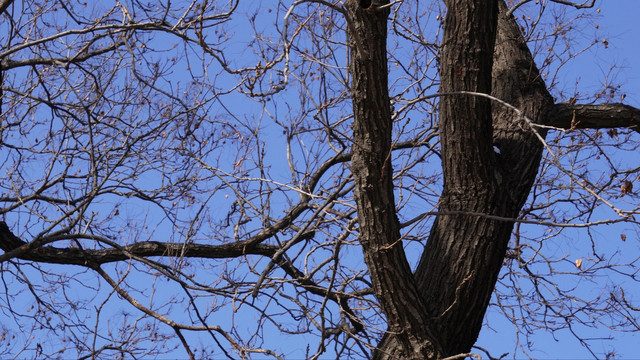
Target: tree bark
[464, 254]
[602, 116]
[9, 243]
[4, 4]
[379, 228]
[462, 258]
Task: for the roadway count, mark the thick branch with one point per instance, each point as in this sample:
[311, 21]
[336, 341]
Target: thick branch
[602, 116]
[74, 256]
[4, 4]
[11, 245]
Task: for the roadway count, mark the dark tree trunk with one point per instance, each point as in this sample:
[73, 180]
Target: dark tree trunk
[464, 253]
[379, 228]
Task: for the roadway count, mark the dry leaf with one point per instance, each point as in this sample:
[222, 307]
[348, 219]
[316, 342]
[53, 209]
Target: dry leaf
[623, 237]
[579, 264]
[627, 187]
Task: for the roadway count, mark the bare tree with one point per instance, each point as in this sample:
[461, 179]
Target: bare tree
[205, 174]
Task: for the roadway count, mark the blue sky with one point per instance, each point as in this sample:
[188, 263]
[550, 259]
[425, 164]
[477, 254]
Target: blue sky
[618, 22]
[617, 26]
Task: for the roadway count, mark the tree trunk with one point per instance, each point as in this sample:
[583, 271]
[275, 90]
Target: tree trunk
[464, 253]
[379, 228]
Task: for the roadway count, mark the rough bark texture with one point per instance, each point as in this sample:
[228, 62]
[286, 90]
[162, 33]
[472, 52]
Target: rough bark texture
[464, 254]
[12, 245]
[516, 80]
[4, 4]
[379, 229]
[568, 116]
[462, 258]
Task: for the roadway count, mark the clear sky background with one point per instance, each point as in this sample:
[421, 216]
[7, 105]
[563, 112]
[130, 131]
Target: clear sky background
[619, 23]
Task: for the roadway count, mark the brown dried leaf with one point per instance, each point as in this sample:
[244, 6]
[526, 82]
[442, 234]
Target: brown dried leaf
[579, 264]
[627, 187]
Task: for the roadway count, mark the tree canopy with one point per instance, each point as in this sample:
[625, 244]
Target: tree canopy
[362, 179]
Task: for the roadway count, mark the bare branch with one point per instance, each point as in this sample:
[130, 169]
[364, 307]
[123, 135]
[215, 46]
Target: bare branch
[585, 5]
[602, 116]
